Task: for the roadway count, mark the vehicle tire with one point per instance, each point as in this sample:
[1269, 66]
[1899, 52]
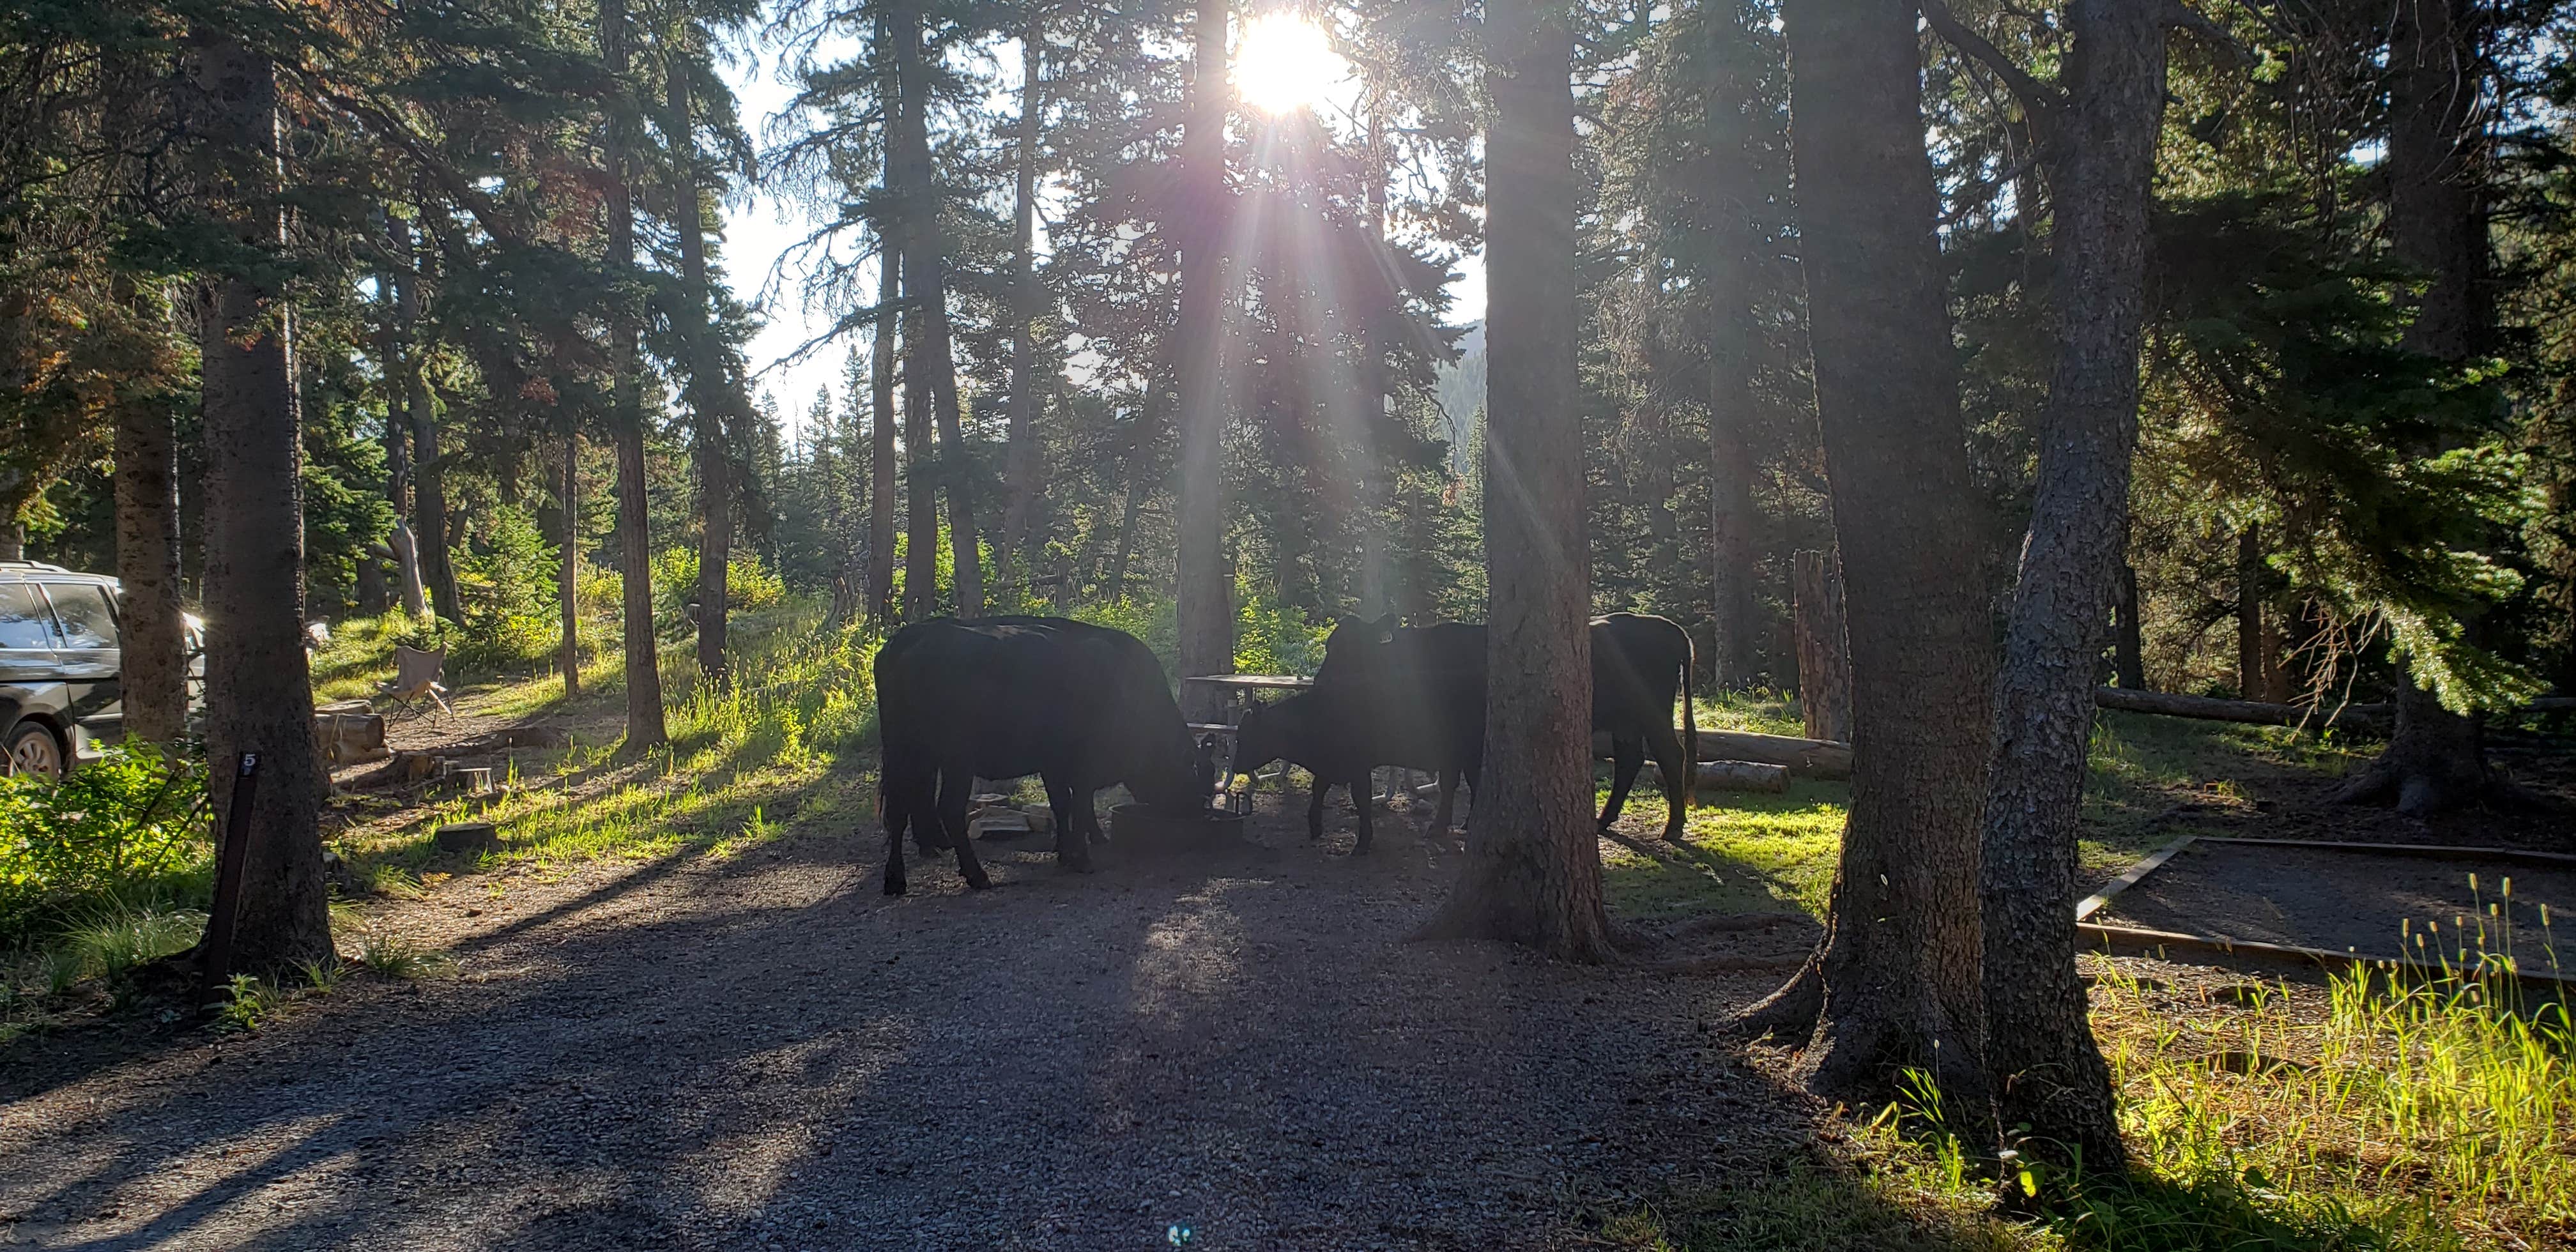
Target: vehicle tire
[31, 748]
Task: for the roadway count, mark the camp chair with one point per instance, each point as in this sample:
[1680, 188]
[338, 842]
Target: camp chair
[415, 678]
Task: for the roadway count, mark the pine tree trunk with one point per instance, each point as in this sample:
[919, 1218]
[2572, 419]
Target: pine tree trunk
[920, 480]
[706, 396]
[881, 451]
[429, 482]
[1205, 596]
[1734, 569]
[925, 267]
[2048, 1074]
[2435, 759]
[258, 684]
[1140, 453]
[1376, 592]
[2129, 649]
[1896, 983]
[1023, 453]
[1824, 655]
[2251, 679]
[1533, 867]
[392, 350]
[644, 725]
[568, 575]
[154, 645]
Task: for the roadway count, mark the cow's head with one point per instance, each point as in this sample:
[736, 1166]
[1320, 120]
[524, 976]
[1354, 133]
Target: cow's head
[1259, 739]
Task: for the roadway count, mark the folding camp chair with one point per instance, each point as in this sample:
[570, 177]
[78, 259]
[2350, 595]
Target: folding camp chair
[415, 679]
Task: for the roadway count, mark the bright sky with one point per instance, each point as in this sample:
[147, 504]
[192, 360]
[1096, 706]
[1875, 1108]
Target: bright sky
[759, 230]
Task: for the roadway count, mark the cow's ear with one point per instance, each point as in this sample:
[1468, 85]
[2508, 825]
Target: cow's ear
[1344, 621]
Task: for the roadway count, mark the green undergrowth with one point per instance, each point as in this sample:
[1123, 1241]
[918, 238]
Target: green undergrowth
[2405, 1113]
[788, 744]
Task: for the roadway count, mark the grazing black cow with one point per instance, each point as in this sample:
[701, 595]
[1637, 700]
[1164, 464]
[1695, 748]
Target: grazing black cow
[1638, 661]
[1340, 744]
[1081, 706]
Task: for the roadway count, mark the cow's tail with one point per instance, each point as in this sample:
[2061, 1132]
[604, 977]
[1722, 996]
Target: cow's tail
[1690, 721]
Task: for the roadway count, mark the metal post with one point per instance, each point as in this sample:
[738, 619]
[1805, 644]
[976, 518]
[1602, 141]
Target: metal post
[216, 966]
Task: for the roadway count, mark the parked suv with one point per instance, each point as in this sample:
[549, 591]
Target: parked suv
[60, 668]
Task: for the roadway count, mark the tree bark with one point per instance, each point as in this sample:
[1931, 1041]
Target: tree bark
[2435, 759]
[1824, 651]
[1205, 596]
[568, 575]
[154, 644]
[2048, 1074]
[259, 687]
[1023, 452]
[644, 725]
[1896, 983]
[708, 398]
[1533, 866]
[925, 268]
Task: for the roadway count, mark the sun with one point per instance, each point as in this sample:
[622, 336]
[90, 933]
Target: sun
[1285, 63]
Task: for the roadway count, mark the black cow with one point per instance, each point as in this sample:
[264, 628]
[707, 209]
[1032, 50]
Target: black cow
[1340, 743]
[1081, 706]
[1638, 661]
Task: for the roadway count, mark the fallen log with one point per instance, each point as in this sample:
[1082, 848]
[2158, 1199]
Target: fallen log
[1740, 776]
[2250, 712]
[1809, 758]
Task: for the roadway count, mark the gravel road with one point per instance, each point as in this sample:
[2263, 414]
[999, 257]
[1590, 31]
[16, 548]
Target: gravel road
[762, 1052]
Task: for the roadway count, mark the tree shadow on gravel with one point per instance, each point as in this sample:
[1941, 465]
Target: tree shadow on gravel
[1237, 1042]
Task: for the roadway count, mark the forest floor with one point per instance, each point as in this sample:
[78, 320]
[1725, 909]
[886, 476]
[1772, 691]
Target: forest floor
[674, 1010]
[762, 1050]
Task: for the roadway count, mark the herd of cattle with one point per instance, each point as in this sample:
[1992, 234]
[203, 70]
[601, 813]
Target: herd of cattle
[1085, 707]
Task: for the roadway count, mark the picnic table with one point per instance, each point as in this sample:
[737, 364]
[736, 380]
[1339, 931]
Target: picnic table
[1234, 693]
[1230, 695]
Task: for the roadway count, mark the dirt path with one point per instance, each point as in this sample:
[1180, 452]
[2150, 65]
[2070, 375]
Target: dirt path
[764, 1052]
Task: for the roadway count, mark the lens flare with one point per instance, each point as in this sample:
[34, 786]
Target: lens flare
[1285, 63]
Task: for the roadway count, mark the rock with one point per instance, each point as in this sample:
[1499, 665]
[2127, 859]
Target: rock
[998, 824]
[1041, 818]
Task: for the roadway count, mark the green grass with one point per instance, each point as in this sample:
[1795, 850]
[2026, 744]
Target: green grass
[787, 746]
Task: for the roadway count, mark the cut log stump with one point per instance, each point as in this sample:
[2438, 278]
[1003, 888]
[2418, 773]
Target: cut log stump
[467, 837]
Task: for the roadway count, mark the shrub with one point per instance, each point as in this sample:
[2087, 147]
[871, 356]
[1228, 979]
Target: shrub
[750, 586]
[129, 827]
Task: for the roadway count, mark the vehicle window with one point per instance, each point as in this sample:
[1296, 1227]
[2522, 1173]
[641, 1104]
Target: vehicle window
[82, 609]
[24, 623]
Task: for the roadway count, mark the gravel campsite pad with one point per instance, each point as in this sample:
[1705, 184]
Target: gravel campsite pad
[2357, 900]
[1237, 1047]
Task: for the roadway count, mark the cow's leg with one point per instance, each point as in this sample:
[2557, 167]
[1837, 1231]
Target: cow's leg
[1359, 793]
[927, 838]
[1627, 756]
[1667, 748]
[1448, 800]
[1073, 822]
[1315, 809]
[896, 795]
[956, 789]
[1086, 810]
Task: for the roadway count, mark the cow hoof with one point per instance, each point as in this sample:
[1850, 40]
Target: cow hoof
[979, 882]
[894, 888]
[1079, 865]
